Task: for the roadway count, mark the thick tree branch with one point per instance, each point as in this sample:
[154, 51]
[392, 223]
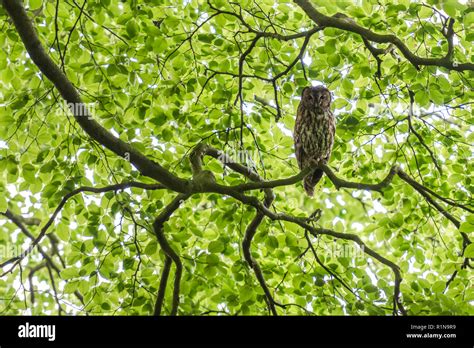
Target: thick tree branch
[30, 279]
[170, 253]
[258, 183]
[246, 244]
[35, 49]
[338, 183]
[350, 25]
[162, 289]
[253, 263]
[449, 35]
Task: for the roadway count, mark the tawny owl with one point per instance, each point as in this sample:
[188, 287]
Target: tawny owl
[314, 132]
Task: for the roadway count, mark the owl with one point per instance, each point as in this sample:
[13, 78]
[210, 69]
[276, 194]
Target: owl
[315, 127]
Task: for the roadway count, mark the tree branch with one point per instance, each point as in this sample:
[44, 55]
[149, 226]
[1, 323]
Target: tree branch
[17, 221]
[63, 202]
[418, 136]
[20, 222]
[170, 253]
[348, 24]
[162, 289]
[338, 183]
[246, 244]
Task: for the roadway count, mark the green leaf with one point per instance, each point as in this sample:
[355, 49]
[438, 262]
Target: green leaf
[35, 4]
[466, 227]
[216, 247]
[70, 287]
[468, 19]
[128, 263]
[272, 242]
[469, 252]
[334, 59]
[246, 293]
[69, 273]
[212, 259]
[132, 28]
[450, 7]
[151, 248]
[62, 231]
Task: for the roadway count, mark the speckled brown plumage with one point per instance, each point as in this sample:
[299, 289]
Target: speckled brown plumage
[314, 132]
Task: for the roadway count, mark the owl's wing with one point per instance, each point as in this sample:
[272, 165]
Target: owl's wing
[331, 133]
[297, 137]
[299, 152]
